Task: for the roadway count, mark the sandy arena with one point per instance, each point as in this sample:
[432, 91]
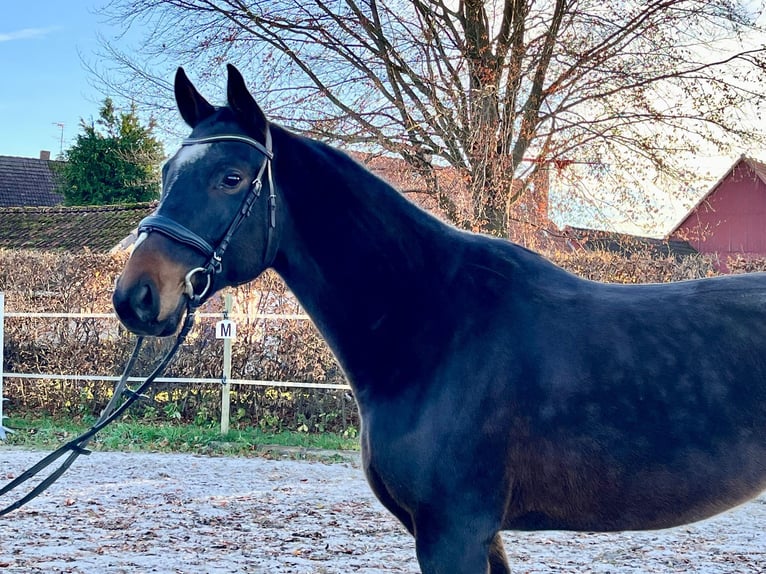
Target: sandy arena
[181, 514]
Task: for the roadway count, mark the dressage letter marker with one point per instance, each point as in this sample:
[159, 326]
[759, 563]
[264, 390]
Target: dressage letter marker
[225, 329]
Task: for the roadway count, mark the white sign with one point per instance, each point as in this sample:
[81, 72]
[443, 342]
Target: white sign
[225, 329]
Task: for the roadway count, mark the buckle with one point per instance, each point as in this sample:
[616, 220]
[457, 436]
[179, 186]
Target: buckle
[189, 286]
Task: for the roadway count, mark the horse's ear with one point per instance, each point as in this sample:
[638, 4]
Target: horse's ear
[193, 107]
[242, 103]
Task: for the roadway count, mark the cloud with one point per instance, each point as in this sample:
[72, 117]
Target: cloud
[25, 34]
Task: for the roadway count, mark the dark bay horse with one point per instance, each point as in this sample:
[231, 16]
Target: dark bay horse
[497, 391]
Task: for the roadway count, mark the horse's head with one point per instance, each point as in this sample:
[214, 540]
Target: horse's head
[215, 223]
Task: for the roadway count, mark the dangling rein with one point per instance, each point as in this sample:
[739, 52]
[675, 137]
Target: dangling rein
[113, 410]
[179, 233]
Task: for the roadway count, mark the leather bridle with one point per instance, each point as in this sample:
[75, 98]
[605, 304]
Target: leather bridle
[181, 234]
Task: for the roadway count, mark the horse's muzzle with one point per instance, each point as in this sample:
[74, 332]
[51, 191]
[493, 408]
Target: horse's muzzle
[138, 306]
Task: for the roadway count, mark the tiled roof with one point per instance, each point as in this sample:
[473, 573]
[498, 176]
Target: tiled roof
[597, 240]
[96, 227]
[27, 181]
[529, 222]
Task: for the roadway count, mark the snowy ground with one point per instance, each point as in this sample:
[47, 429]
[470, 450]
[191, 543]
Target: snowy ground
[180, 514]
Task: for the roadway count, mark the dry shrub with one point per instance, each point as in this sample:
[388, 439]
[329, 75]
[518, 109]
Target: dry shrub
[614, 268]
[741, 264]
[282, 350]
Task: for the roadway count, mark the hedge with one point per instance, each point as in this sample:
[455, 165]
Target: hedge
[267, 350]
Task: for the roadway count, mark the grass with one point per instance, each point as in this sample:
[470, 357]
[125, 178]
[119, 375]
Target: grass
[49, 433]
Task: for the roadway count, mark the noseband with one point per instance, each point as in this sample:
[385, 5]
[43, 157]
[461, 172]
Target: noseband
[177, 232]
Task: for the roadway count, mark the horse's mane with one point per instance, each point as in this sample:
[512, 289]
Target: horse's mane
[387, 226]
[378, 212]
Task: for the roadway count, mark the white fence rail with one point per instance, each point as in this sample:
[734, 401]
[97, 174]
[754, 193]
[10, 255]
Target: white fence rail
[225, 380]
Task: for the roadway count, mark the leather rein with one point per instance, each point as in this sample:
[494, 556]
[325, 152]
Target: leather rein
[181, 234]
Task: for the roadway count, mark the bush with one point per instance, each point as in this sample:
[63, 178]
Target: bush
[613, 268]
[746, 265]
[281, 350]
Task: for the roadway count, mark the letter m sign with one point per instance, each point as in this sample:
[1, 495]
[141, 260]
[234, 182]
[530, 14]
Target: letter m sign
[225, 329]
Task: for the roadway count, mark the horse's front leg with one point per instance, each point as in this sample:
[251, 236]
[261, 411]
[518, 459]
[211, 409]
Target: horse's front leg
[459, 548]
[498, 561]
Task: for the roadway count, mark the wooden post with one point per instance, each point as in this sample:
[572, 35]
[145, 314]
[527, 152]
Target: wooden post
[226, 386]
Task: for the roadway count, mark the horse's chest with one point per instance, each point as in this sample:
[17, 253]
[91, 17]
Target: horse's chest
[398, 463]
[423, 454]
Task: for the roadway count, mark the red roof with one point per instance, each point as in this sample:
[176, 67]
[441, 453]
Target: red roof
[530, 223]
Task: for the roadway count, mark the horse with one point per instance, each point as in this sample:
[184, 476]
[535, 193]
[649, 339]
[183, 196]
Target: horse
[496, 390]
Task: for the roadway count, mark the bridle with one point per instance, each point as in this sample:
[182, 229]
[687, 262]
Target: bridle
[178, 232]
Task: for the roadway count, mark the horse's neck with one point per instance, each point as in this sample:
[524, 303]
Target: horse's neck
[369, 267]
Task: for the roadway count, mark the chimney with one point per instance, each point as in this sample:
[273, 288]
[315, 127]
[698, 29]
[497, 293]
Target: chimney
[45, 154]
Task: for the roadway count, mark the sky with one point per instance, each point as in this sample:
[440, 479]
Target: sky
[43, 81]
[45, 88]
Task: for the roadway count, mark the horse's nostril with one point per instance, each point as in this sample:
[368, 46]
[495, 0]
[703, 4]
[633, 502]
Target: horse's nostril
[138, 303]
[145, 301]
[145, 298]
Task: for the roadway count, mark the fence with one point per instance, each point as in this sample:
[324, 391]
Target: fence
[225, 331]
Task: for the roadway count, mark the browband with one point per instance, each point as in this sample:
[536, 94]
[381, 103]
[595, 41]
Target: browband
[175, 230]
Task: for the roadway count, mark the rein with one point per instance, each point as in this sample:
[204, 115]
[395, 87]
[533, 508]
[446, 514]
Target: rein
[181, 234]
[109, 414]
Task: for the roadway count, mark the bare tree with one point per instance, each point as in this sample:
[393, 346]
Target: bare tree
[495, 89]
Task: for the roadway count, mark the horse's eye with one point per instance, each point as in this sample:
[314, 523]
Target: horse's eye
[232, 180]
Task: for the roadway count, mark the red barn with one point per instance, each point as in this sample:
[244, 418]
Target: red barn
[730, 219]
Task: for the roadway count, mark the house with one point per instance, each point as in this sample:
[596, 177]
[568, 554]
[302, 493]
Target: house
[730, 219]
[100, 228]
[32, 217]
[28, 181]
